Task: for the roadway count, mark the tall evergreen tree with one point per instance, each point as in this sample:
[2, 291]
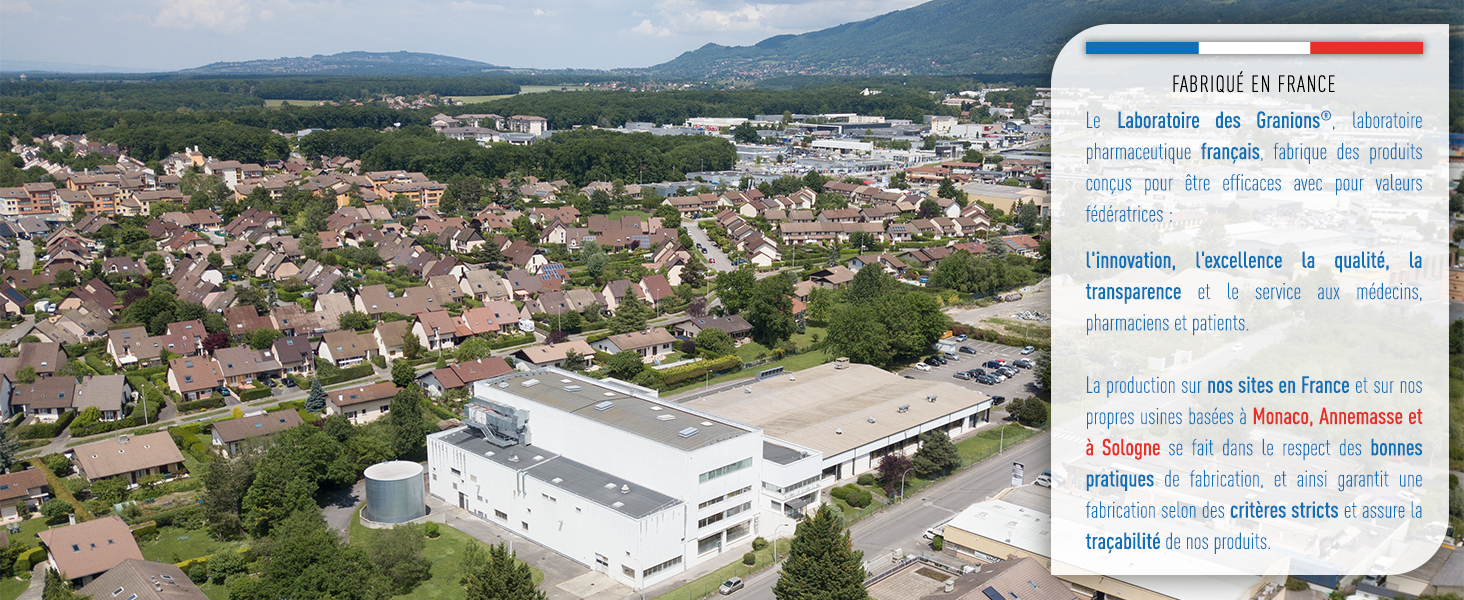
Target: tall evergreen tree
[937, 454]
[497, 574]
[822, 564]
[868, 284]
[9, 446]
[408, 426]
[315, 401]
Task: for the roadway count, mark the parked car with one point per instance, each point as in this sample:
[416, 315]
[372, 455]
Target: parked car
[962, 375]
[922, 366]
[1028, 350]
[975, 372]
[968, 350]
[991, 364]
[289, 382]
[223, 391]
[711, 260]
[998, 400]
[1023, 363]
[950, 356]
[729, 586]
[1045, 479]
[963, 337]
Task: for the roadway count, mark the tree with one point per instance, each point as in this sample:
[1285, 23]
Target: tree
[595, 262]
[214, 341]
[111, 490]
[26, 375]
[929, 209]
[9, 447]
[55, 510]
[973, 155]
[694, 273]
[58, 588]
[697, 307]
[66, 279]
[624, 365]
[715, 341]
[1028, 411]
[315, 401]
[412, 347]
[670, 216]
[303, 558]
[770, 310]
[405, 421]
[473, 348]
[262, 339]
[870, 283]
[155, 263]
[822, 563]
[734, 288]
[356, 321]
[937, 454]
[397, 554]
[403, 374]
[497, 574]
[216, 260]
[891, 468]
[745, 133]
[574, 361]
[599, 202]
[631, 315]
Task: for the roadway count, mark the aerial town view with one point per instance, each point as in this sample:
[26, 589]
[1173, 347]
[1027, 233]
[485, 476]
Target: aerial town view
[764, 320]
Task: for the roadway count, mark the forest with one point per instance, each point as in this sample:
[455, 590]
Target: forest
[230, 93]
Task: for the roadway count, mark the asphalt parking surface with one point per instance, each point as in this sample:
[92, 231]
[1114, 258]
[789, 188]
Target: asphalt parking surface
[1015, 387]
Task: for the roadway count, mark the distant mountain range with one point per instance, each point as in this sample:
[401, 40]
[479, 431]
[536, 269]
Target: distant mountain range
[350, 63]
[947, 37]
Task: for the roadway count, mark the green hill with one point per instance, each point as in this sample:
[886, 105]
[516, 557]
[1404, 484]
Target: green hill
[991, 36]
[349, 63]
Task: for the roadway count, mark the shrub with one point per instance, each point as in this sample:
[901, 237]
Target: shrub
[759, 543]
[379, 361]
[431, 529]
[145, 531]
[198, 573]
[839, 492]
[56, 510]
[204, 404]
[31, 558]
[866, 479]
[226, 564]
[1295, 585]
[58, 464]
[749, 559]
[937, 543]
[255, 394]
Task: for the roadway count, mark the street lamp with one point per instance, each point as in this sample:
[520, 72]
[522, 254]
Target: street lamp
[775, 541]
[902, 482]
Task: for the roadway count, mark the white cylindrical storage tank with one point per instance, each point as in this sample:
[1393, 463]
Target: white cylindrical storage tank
[394, 492]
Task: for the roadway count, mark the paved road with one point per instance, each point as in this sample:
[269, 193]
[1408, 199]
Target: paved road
[722, 263]
[341, 506]
[27, 255]
[902, 526]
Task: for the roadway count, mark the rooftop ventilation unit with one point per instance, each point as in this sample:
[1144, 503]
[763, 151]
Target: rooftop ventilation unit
[706, 423]
[904, 408]
[502, 384]
[564, 381]
[625, 489]
[839, 431]
[557, 480]
[513, 458]
[609, 486]
[499, 424]
[530, 383]
[688, 432]
[930, 398]
[666, 418]
[572, 388]
[617, 504]
[871, 419]
[606, 405]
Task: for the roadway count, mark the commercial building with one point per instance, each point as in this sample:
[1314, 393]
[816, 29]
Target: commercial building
[614, 478]
[851, 415]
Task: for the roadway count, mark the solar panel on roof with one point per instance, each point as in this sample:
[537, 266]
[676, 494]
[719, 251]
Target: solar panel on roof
[993, 594]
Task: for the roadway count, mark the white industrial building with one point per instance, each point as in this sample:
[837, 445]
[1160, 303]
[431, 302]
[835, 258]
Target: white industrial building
[611, 476]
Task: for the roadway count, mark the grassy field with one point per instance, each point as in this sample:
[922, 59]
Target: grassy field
[523, 89]
[11, 588]
[176, 545]
[750, 350]
[446, 555]
[707, 584]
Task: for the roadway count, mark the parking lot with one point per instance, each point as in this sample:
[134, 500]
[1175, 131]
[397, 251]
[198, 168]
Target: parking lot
[1015, 387]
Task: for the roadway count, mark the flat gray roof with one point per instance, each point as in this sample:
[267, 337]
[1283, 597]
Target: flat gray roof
[664, 422]
[829, 409]
[573, 477]
[780, 454]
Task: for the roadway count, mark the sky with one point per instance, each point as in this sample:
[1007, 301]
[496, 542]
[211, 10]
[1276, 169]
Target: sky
[166, 35]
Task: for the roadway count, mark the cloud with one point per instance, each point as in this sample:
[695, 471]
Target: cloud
[539, 12]
[229, 16]
[16, 7]
[648, 29]
[767, 18]
[469, 5]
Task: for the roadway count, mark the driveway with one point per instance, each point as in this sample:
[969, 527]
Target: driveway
[27, 254]
[722, 263]
[340, 506]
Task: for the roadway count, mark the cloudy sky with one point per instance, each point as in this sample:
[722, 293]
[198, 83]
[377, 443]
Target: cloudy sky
[156, 35]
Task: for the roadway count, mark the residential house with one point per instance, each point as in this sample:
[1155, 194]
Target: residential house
[295, 354]
[346, 348]
[46, 358]
[463, 375]
[362, 404]
[108, 393]
[376, 300]
[734, 325]
[130, 457]
[485, 285]
[438, 329]
[389, 337]
[552, 355]
[137, 579]
[890, 264]
[194, 377]
[13, 302]
[618, 290]
[655, 288]
[85, 551]
[240, 364]
[28, 487]
[1023, 244]
[651, 344]
[232, 434]
[45, 399]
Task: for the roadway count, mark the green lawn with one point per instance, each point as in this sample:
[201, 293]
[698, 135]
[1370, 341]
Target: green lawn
[170, 548]
[629, 212]
[446, 555]
[978, 447]
[707, 584]
[214, 591]
[11, 588]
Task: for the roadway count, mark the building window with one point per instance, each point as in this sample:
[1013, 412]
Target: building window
[549, 498]
[524, 525]
[457, 473]
[629, 572]
[502, 516]
[709, 544]
[737, 532]
[745, 506]
[385, 408]
[734, 494]
[720, 471]
[709, 520]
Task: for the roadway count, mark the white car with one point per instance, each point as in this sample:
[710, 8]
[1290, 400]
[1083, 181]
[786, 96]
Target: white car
[1028, 350]
[922, 366]
[1237, 348]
